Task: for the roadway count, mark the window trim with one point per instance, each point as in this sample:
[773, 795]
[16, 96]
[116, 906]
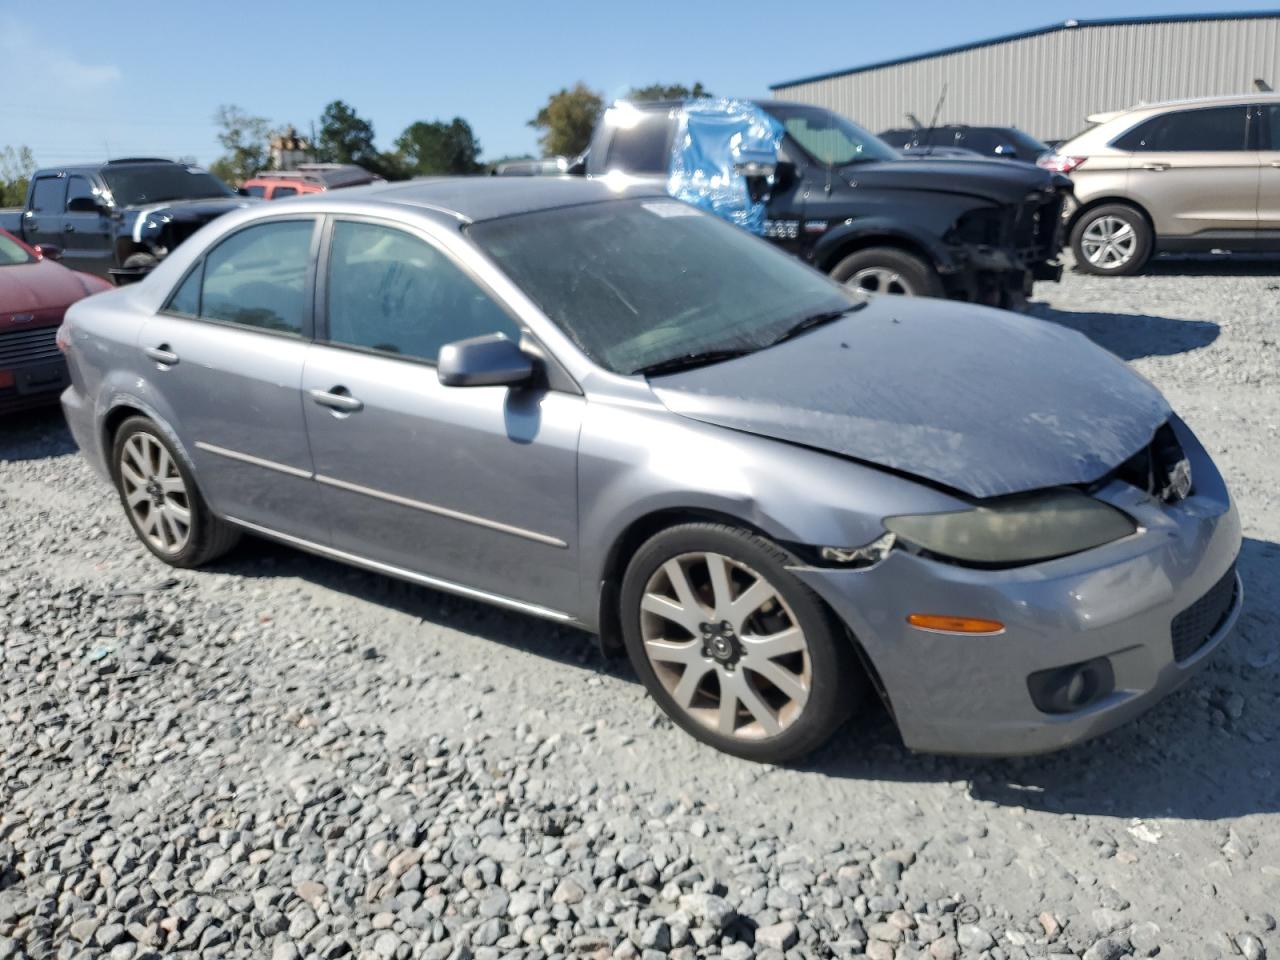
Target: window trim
[321, 335]
[307, 333]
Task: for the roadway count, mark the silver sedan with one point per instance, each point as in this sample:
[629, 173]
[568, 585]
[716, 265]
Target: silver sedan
[593, 404]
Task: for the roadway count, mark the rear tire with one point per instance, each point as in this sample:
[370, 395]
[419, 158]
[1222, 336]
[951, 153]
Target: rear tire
[1113, 240]
[888, 270]
[161, 499]
[733, 647]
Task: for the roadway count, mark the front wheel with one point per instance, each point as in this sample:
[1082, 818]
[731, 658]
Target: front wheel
[1113, 240]
[888, 270]
[733, 647]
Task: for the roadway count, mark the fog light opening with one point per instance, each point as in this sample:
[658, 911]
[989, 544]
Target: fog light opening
[1073, 687]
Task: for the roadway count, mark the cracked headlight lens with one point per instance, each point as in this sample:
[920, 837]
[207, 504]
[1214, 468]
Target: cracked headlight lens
[1017, 529]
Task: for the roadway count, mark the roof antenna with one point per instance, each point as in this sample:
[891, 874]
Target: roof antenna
[1262, 85]
[915, 122]
[933, 121]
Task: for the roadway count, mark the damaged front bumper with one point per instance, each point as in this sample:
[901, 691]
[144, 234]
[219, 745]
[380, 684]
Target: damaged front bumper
[1143, 614]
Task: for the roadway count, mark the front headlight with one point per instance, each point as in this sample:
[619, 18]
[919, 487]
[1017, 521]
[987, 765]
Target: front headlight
[1017, 530]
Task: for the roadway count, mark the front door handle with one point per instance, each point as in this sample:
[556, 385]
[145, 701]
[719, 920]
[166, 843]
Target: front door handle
[1155, 166]
[162, 355]
[336, 399]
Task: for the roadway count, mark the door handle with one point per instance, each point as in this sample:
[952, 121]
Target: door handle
[1275, 163]
[68, 228]
[162, 355]
[335, 400]
[1155, 166]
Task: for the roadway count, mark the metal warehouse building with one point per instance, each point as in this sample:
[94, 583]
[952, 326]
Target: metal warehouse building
[1047, 81]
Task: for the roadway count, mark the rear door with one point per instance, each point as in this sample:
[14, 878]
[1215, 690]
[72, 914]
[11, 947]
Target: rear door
[1195, 172]
[224, 361]
[475, 486]
[86, 229]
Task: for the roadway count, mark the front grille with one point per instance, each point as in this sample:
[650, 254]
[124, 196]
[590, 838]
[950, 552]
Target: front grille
[1036, 226]
[1193, 627]
[20, 347]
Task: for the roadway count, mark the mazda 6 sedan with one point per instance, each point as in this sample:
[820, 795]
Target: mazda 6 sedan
[596, 405]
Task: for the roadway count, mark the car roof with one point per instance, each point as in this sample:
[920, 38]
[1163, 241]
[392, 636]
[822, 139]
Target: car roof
[479, 198]
[1226, 101]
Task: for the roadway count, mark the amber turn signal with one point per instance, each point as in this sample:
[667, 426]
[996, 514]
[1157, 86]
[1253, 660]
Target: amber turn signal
[969, 626]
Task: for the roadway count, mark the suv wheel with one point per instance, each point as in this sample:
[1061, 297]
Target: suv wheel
[162, 501]
[733, 647]
[1113, 240]
[888, 270]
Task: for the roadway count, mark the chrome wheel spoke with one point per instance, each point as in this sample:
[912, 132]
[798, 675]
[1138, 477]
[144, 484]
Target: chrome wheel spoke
[687, 617]
[665, 651]
[693, 675]
[789, 685]
[777, 644]
[720, 589]
[749, 601]
[154, 493]
[178, 512]
[741, 690]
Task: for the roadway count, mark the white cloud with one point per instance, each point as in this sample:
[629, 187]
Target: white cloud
[25, 54]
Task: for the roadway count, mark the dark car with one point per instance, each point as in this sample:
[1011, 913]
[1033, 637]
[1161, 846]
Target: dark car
[845, 201]
[1006, 143]
[120, 218]
[34, 294]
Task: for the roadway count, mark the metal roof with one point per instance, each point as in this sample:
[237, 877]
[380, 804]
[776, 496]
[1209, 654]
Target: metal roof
[1038, 31]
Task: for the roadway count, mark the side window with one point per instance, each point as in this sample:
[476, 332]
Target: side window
[258, 277]
[256, 190]
[281, 192]
[47, 195]
[78, 188]
[186, 299]
[1271, 122]
[1215, 128]
[643, 148]
[391, 291]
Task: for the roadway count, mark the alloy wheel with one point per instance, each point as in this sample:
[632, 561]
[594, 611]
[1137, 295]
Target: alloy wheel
[155, 493]
[725, 645]
[1109, 242]
[881, 280]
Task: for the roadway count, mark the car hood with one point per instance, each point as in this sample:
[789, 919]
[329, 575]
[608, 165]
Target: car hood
[200, 209]
[981, 401]
[997, 180]
[32, 289]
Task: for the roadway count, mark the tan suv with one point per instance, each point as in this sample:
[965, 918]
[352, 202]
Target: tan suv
[1186, 176]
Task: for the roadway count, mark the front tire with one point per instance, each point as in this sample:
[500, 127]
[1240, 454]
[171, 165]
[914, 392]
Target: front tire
[1113, 240]
[161, 499]
[736, 650]
[888, 270]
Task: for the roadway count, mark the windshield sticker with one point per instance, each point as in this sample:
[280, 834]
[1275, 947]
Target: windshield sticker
[670, 208]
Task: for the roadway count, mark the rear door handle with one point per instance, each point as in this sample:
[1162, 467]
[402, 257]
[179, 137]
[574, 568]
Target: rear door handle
[1155, 166]
[335, 400]
[162, 355]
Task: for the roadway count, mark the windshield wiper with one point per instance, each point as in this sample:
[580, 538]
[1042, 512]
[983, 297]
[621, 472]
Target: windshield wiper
[688, 361]
[814, 320]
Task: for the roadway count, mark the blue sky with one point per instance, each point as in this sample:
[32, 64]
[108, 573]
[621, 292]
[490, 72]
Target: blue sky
[82, 79]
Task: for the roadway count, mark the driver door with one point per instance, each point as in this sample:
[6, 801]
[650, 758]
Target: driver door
[473, 486]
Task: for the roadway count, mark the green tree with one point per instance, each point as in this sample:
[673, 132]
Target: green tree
[438, 147]
[567, 119]
[16, 166]
[668, 91]
[346, 137]
[247, 142]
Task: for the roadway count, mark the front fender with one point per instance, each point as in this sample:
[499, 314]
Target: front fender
[829, 250]
[636, 462]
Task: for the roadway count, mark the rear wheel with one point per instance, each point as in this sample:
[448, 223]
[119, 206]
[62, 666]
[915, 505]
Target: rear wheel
[1113, 240]
[733, 647]
[888, 270]
[162, 501]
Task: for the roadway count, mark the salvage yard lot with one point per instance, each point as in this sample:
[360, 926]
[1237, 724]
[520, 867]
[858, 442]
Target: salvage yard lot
[281, 756]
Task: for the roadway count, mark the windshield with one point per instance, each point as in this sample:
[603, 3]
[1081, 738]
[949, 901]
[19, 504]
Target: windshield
[828, 137]
[12, 252]
[134, 185]
[639, 283]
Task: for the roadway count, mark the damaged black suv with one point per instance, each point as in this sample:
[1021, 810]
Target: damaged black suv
[120, 218]
[845, 201]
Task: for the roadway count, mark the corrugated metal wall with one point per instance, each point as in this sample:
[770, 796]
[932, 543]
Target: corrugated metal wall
[1048, 84]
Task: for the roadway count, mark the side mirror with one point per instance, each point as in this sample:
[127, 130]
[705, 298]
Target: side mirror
[49, 251]
[84, 205]
[487, 361]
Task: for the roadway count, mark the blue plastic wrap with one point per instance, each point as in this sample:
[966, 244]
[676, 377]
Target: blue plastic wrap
[713, 136]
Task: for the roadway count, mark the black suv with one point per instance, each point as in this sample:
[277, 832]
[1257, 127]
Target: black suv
[1007, 143]
[120, 218]
[843, 200]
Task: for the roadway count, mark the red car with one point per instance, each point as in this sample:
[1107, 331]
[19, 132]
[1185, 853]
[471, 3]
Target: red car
[34, 294]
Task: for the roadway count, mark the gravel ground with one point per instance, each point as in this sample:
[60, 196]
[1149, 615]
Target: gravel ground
[282, 757]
